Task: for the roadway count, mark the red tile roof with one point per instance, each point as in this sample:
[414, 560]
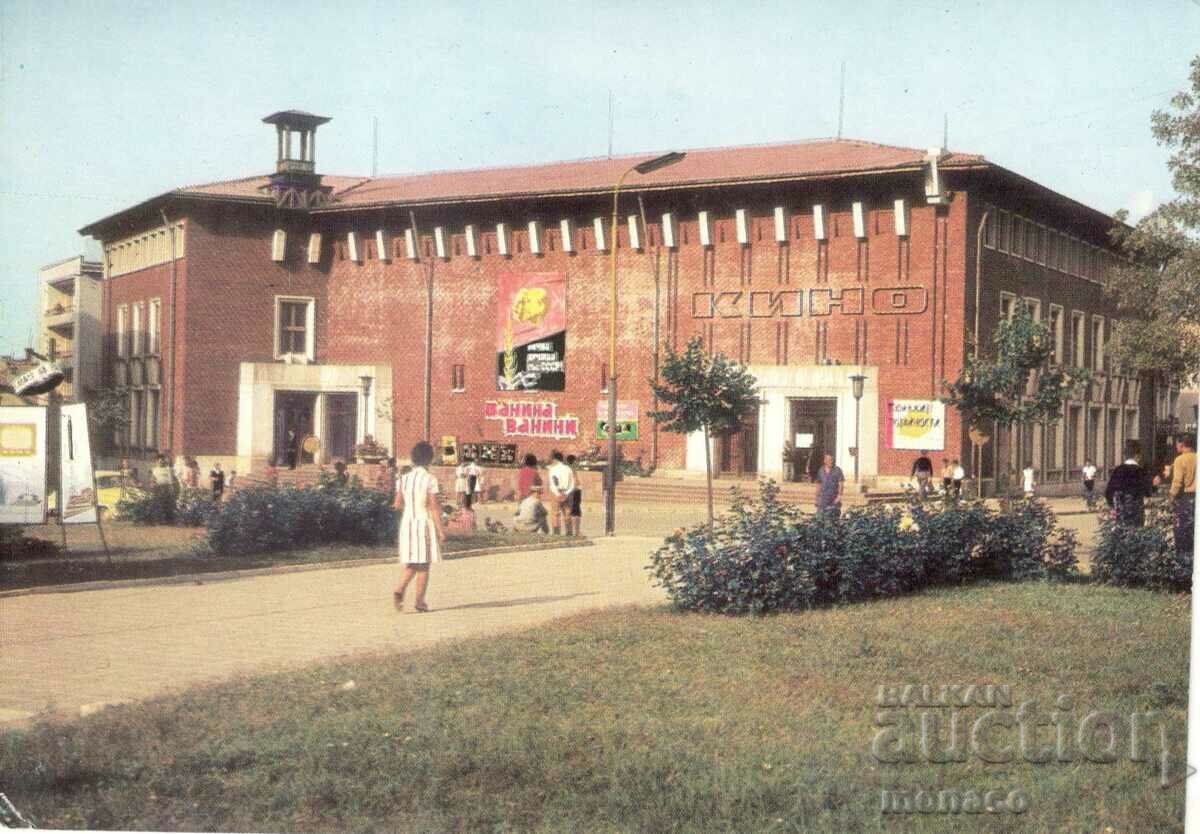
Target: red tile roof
[829, 157]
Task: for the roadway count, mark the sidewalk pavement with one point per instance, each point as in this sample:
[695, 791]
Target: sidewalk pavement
[70, 652]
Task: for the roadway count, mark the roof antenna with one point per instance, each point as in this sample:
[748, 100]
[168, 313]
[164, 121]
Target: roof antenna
[610, 123]
[375, 148]
[946, 131]
[841, 100]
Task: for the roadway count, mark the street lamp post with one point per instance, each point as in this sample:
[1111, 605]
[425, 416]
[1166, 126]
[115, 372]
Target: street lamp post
[857, 380]
[610, 497]
[366, 392]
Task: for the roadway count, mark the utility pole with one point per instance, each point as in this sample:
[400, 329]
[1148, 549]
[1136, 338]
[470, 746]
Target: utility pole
[842, 101]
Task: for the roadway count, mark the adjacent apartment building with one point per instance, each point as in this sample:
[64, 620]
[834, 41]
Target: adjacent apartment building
[70, 327]
[474, 306]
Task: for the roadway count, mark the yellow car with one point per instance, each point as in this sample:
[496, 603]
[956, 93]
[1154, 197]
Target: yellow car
[108, 492]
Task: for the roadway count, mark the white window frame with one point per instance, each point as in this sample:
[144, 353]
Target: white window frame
[1034, 306]
[991, 227]
[1003, 230]
[1057, 331]
[310, 324]
[1098, 343]
[1079, 343]
[122, 331]
[458, 384]
[1011, 300]
[135, 327]
[154, 326]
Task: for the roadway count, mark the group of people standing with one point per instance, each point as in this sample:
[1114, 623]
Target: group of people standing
[565, 513]
[186, 476]
[1130, 484]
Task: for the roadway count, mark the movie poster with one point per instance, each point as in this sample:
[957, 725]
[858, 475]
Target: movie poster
[22, 465]
[531, 332]
[78, 483]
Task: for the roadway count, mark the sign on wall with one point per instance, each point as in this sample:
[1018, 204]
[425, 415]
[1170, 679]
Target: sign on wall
[78, 482]
[916, 425]
[627, 420]
[531, 419]
[531, 332]
[22, 465]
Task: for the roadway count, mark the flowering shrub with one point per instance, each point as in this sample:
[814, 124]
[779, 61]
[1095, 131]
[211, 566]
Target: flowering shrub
[265, 518]
[765, 555]
[1142, 556]
[186, 506]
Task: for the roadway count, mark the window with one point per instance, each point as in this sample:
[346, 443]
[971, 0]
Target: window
[136, 327]
[1098, 363]
[137, 425]
[1005, 225]
[458, 378]
[1054, 449]
[294, 327]
[123, 331]
[152, 398]
[1018, 236]
[1077, 339]
[1008, 306]
[1043, 244]
[989, 228]
[153, 320]
[1052, 249]
[1034, 307]
[1031, 241]
[1056, 331]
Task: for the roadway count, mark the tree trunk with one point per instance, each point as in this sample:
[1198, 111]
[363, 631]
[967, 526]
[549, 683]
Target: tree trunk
[708, 475]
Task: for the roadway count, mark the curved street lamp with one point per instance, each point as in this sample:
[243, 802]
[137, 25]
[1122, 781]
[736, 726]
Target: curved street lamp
[610, 499]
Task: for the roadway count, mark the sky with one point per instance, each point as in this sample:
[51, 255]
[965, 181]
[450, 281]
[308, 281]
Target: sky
[103, 105]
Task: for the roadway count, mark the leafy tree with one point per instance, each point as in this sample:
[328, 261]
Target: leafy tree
[107, 412]
[1014, 383]
[703, 393]
[1157, 290]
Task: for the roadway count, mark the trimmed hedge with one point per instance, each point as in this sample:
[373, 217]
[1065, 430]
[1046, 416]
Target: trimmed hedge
[764, 555]
[265, 518]
[1142, 557]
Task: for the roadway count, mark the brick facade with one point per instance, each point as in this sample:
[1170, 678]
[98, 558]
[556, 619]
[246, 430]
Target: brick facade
[898, 307]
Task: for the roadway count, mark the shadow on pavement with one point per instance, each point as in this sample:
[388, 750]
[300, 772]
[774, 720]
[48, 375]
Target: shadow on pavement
[509, 603]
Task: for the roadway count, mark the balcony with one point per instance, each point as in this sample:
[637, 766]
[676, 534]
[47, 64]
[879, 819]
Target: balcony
[59, 317]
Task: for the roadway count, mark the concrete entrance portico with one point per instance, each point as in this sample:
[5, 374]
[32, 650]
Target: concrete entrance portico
[778, 386]
[261, 382]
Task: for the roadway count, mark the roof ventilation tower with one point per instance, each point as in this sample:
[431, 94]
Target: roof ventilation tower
[295, 183]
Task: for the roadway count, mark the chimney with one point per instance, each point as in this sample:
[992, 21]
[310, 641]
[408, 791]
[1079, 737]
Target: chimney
[935, 191]
[295, 183]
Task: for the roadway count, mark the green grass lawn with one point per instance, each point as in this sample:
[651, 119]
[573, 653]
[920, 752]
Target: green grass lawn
[157, 552]
[632, 720]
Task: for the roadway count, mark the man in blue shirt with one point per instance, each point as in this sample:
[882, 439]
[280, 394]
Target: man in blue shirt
[829, 490]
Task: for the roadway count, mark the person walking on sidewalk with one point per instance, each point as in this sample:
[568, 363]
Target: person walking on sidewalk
[1183, 493]
[1089, 483]
[421, 535]
[922, 470]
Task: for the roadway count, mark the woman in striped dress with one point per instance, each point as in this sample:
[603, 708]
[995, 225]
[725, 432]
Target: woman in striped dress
[421, 534]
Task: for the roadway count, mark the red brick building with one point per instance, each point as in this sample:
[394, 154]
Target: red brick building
[435, 305]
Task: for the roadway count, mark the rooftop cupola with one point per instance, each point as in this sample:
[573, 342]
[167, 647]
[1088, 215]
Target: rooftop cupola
[295, 182]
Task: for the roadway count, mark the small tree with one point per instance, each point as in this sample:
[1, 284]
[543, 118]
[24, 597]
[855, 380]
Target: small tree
[703, 393]
[107, 412]
[1015, 384]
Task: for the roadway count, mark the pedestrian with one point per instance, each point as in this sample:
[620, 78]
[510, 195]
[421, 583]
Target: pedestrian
[421, 535]
[531, 513]
[341, 476]
[291, 448]
[474, 482]
[922, 470]
[216, 479]
[576, 502]
[562, 488]
[161, 473]
[526, 476]
[1089, 483]
[1128, 487]
[1183, 493]
[1027, 480]
[829, 491]
[462, 489]
[947, 477]
[959, 476]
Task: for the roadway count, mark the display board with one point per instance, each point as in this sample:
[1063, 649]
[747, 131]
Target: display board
[78, 494]
[22, 465]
